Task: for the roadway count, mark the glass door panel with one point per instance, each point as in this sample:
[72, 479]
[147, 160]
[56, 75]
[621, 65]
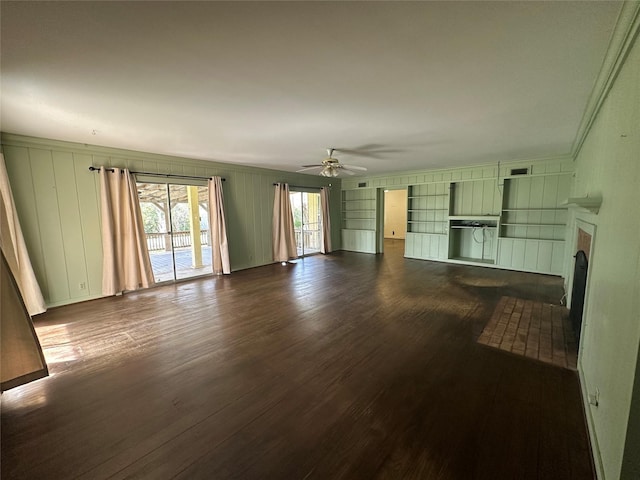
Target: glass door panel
[154, 204]
[307, 222]
[296, 209]
[312, 222]
[190, 230]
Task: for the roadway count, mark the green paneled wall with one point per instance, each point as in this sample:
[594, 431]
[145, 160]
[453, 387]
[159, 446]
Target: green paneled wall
[608, 164]
[57, 198]
[461, 174]
[475, 191]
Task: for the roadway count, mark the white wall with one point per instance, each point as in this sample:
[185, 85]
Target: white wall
[609, 164]
[395, 214]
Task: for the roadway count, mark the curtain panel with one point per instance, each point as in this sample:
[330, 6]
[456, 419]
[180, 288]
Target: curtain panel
[217, 226]
[15, 249]
[125, 262]
[284, 237]
[326, 221]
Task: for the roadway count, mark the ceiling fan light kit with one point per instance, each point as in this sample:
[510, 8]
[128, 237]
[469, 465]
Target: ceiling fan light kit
[329, 171]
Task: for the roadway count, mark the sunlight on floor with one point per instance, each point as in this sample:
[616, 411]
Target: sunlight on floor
[56, 344]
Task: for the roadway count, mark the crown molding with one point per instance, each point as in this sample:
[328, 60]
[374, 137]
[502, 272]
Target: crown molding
[620, 44]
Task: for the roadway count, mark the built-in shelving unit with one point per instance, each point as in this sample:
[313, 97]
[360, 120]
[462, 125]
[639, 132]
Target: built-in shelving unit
[533, 223]
[530, 213]
[359, 210]
[473, 238]
[473, 221]
[510, 216]
[428, 209]
[359, 220]
[531, 209]
[427, 214]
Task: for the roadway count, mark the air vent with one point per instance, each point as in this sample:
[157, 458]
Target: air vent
[362, 184]
[519, 171]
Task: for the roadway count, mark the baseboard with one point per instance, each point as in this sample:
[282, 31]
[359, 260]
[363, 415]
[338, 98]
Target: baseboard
[593, 438]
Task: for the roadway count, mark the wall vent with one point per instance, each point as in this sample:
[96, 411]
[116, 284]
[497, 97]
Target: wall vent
[362, 184]
[519, 171]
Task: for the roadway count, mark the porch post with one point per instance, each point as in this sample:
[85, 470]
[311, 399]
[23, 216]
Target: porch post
[194, 223]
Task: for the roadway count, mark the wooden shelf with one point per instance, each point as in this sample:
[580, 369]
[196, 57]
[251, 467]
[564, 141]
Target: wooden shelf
[534, 239]
[475, 217]
[427, 210]
[433, 195]
[558, 209]
[534, 224]
[485, 261]
[473, 226]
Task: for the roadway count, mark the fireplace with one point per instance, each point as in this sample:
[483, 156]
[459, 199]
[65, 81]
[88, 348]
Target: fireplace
[579, 287]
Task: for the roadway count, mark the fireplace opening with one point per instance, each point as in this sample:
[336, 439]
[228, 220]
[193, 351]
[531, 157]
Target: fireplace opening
[578, 291]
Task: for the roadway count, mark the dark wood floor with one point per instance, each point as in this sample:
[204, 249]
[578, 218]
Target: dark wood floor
[346, 366]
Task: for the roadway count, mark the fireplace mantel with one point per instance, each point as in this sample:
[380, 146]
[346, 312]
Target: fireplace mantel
[590, 204]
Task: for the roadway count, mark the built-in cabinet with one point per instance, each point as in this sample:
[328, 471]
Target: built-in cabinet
[473, 221]
[473, 239]
[359, 220]
[427, 217]
[428, 208]
[514, 222]
[533, 223]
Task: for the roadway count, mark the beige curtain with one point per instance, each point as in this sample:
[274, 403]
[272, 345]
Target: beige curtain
[15, 249]
[326, 221]
[125, 262]
[284, 237]
[218, 229]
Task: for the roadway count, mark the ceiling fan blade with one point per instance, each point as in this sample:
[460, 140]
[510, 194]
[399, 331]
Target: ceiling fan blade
[354, 167]
[348, 172]
[314, 165]
[311, 167]
[372, 150]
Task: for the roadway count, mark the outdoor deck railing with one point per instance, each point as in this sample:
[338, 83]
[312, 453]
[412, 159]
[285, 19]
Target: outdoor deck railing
[162, 241]
[312, 238]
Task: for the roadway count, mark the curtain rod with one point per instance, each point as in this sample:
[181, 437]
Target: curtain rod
[303, 186]
[96, 169]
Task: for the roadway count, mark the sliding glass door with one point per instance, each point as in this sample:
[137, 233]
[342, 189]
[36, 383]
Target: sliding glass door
[176, 223]
[307, 221]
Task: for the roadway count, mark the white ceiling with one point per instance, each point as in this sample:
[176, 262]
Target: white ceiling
[413, 85]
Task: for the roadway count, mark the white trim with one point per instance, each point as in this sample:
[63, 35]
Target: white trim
[593, 439]
[622, 40]
[589, 228]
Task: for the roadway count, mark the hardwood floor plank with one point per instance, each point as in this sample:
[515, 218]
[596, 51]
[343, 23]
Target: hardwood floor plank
[342, 366]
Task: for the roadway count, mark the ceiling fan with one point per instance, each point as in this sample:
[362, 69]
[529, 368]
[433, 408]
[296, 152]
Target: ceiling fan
[331, 167]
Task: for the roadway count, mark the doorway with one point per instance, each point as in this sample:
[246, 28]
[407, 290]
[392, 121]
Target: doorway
[394, 227]
[176, 225]
[307, 222]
